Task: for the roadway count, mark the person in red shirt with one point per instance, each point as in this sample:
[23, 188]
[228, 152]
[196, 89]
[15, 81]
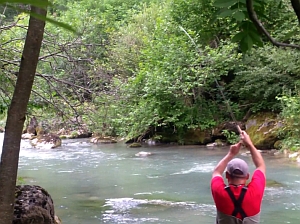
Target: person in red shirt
[239, 202]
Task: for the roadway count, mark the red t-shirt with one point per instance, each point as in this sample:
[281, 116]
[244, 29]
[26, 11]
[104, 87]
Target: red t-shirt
[252, 200]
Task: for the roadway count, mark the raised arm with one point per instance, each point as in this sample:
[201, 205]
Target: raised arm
[220, 168]
[256, 155]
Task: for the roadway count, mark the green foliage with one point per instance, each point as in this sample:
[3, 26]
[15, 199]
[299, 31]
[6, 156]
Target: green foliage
[18, 6]
[20, 181]
[172, 77]
[231, 136]
[273, 15]
[263, 76]
[136, 66]
[42, 4]
[290, 130]
[247, 34]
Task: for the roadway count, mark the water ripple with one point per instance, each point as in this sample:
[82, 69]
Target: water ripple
[198, 168]
[122, 210]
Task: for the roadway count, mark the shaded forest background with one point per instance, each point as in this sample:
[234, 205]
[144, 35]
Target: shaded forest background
[136, 66]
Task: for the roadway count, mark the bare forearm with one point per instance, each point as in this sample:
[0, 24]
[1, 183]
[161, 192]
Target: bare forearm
[256, 155]
[257, 158]
[220, 168]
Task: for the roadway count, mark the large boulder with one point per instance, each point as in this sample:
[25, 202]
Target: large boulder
[262, 129]
[217, 132]
[33, 205]
[46, 141]
[102, 140]
[196, 136]
[31, 128]
[71, 134]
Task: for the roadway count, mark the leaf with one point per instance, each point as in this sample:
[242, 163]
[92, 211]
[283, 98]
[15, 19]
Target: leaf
[47, 19]
[256, 38]
[244, 45]
[218, 14]
[225, 13]
[290, 34]
[224, 3]
[258, 3]
[239, 15]
[60, 24]
[238, 37]
[248, 25]
[247, 39]
[42, 4]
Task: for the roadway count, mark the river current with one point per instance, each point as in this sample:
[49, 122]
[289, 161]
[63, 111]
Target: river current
[107, 183]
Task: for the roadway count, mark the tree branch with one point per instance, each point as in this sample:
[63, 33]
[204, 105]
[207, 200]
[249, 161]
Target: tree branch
[296, 7]
[259, 26]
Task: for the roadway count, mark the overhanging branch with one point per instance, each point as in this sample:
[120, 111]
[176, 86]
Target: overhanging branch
[259, 26]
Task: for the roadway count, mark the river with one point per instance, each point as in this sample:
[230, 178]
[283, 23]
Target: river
[92, 184]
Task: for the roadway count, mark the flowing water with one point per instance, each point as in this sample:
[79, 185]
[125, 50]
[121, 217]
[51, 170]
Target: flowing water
[92, 184]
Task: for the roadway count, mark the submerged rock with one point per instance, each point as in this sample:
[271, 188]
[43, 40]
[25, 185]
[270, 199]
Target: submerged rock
[102, 140]
[28, 136]
[135, 145]
[33, 205]
[274, 183]
[143, 154]
[217, 143]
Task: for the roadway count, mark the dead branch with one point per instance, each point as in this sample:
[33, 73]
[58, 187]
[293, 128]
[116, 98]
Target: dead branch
[12, 40]
[62, 81]
[16, 63]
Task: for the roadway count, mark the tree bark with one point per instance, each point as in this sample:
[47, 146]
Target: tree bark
[296, 7]
[16, 115]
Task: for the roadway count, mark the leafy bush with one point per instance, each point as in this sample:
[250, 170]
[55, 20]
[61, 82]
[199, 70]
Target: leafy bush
[231, 136]
[290, 130]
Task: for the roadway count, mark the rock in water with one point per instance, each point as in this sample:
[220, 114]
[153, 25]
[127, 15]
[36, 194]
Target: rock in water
[143, 154]
[33, 205]
[46, 141]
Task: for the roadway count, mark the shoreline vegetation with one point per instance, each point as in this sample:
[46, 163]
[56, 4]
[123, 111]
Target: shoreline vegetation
[220, 137]
[159, 70]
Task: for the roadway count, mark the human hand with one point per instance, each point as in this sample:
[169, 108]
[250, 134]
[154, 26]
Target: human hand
[234, 149]
[245, 138]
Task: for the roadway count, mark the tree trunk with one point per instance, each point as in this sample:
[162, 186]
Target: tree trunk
[16, 115]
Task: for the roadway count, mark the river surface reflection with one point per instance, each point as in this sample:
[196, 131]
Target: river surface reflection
[108, 184]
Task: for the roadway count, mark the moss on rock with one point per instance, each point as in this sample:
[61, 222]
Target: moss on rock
[262, 129]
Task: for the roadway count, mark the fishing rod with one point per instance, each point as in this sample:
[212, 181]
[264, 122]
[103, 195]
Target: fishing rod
[217, 83]
[229, 107]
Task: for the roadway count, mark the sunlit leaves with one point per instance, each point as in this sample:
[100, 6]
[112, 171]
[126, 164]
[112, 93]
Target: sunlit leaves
[225, 3]
[236, 9]
[37, 3]
[290, 101]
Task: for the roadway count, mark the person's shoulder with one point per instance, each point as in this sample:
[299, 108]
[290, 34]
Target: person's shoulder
[258, 180]
[217, 182]
[217, 178]
[258, 173]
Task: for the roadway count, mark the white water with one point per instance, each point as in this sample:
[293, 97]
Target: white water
[107, 184]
